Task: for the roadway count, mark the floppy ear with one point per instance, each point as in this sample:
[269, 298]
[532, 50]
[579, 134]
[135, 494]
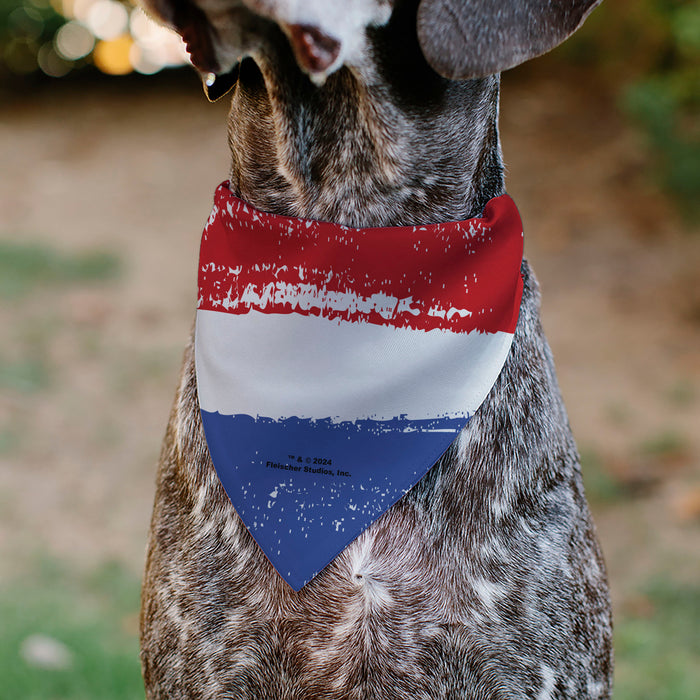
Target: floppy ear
[473, 38]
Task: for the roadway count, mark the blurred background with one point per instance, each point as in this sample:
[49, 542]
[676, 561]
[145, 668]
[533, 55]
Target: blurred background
[110, 154]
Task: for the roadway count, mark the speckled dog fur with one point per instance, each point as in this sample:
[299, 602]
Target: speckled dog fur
[486, 580]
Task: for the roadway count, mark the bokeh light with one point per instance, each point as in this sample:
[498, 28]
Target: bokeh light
[74, 40]
[20, 55]
[26, 20]
[112, 55]
[107, 19]
[58, 36]
[52, 63]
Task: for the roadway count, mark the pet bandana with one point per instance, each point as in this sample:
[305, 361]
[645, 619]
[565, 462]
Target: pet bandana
[336, 365]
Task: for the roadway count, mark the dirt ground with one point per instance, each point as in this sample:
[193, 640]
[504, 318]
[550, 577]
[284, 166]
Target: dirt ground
[132, 170]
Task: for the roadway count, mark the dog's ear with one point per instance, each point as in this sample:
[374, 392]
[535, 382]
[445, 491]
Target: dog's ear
[473, 38]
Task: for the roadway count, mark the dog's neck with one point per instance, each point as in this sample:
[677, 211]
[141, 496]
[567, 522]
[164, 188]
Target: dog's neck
[389, 143]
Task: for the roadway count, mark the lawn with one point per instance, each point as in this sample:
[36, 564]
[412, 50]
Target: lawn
[69, 637]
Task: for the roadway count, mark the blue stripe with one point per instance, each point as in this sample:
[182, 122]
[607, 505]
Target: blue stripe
[327, 494]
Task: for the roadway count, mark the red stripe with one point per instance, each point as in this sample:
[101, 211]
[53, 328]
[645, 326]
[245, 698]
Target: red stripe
[471, 265]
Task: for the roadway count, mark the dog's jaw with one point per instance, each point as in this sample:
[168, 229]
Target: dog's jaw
[357, 152]
[342, 146]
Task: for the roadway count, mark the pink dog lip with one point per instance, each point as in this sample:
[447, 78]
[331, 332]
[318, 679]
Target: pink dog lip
[314, 50]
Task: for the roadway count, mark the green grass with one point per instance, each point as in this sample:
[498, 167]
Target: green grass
[658, 653]
[8, 440]
[25, 376]
[94, 618]
[681, 394]
[27, 266]
[665, 444]
[602, 487]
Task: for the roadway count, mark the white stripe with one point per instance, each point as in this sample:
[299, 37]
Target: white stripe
[282, 365]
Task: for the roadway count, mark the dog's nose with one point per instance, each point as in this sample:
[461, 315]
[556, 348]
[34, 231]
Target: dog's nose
[314, 50]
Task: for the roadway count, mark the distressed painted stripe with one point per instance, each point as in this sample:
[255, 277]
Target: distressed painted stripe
[310, 367]
[305, 489]
[250, 260]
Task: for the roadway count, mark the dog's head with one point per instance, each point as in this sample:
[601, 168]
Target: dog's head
[460, 39]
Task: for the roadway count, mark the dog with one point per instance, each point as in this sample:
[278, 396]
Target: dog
[486, 579]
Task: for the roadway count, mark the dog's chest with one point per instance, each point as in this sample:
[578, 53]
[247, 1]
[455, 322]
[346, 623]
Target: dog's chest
[488, 564]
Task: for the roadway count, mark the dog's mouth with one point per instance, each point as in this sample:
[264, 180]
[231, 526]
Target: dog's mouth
[314, 51]
[216, 86]
[217, 41]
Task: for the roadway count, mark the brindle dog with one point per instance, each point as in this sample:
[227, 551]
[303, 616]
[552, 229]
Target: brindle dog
[486, 580]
